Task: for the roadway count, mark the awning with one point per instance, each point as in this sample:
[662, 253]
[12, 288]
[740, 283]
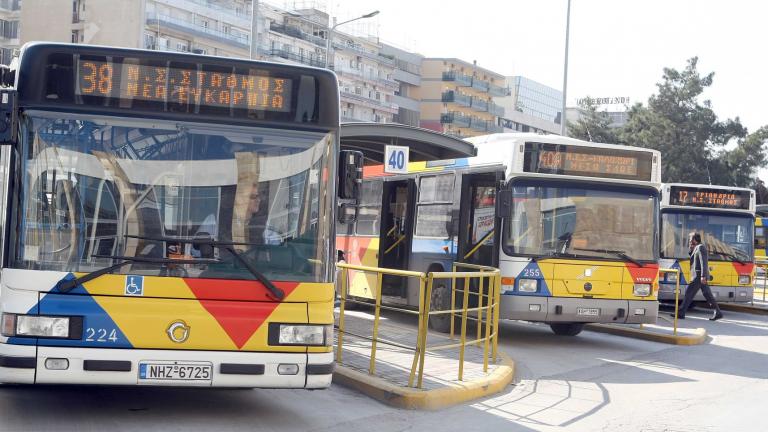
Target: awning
[423, 144]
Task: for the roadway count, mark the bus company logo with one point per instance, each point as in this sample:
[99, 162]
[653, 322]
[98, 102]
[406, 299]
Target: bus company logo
[134, 285]
[178, 331]
[587, 287]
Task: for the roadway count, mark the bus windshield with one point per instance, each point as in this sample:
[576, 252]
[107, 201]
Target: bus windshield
[94, 189]
[590, 221]
[728, 237]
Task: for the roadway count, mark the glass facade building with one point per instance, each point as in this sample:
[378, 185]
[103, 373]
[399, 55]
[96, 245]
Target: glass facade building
[536, 99]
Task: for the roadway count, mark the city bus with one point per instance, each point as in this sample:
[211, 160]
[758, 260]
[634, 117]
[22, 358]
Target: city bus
[571, 224]
[725, 218]
[167, 219]
[761, 236]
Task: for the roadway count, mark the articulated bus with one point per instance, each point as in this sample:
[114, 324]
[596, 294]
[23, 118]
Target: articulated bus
[168, 219]
[725, 217]
[572, 225]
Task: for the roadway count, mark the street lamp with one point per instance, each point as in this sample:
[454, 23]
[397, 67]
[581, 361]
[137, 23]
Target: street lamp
[563, 130]
[330, 33]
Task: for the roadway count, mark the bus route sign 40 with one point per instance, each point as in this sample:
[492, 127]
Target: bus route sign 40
[396, 159]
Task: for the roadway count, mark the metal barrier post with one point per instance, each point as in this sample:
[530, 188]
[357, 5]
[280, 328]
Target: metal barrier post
[496, 308]
[377, 314]
[480, 290]
[677, 300]
[463, 328]
[488, 319]
[419, 346]
[344, 291]
[423, 335]
[453, 298]
[765, 280]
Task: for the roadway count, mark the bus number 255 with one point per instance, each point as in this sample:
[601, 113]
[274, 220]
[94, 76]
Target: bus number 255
[532, 273]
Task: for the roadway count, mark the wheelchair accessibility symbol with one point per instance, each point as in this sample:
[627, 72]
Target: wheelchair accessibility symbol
[134, 285]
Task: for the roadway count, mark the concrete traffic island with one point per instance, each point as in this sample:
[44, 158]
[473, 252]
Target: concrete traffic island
[757, 307]
[394, 360]
[654, 332]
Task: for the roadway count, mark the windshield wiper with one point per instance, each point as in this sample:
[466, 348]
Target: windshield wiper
[276, 292]
[619, 253]
[67, 285]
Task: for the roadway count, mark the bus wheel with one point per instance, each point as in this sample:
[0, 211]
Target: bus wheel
[441, 300]
[567, 329]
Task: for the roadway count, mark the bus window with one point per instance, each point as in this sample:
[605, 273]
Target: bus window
[760, 238]
[369, 213]
[433, 214]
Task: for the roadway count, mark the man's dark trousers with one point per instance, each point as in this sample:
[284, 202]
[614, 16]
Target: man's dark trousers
[690, 293]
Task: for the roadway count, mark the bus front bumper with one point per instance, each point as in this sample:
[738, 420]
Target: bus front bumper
[723, 294]
[574, 309]
[27, 364]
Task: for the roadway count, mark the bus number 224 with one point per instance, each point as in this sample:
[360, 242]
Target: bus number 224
[100, 335]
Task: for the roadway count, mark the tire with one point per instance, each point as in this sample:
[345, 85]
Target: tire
[440, 300]
[567, 329]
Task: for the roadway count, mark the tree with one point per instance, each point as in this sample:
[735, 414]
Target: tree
[689, 135]
[593, 125]
[761, 192]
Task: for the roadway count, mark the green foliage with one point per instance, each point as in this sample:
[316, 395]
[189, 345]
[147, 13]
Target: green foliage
[593, 125]
[694, 143]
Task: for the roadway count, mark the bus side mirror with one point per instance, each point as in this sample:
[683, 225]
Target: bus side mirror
[9, 110]
[503, 203]
[350, 174]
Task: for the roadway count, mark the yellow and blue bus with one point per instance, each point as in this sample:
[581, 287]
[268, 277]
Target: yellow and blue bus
[761, 236]
[168, 219]
[571, 224]
[725, 217]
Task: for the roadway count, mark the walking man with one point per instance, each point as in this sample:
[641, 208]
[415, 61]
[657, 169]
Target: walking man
[699, 277]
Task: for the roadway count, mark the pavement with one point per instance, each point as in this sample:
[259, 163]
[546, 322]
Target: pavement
[589, 382]
[441, 386]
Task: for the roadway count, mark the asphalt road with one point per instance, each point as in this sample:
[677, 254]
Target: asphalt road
[584, 383]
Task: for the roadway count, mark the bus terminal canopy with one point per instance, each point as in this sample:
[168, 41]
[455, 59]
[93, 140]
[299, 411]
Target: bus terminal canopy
[423, 144]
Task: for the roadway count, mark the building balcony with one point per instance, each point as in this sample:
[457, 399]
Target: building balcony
[479, 124]
[361, 52]
[292, 56]
[10, 5]
[495, 90]
[359, 74]
[479, 104]
[296, 32]
[241, 41]
[456, 118]
[244, 14]
[459, 78]
[496, 110]
[456, 97]
[481, 85]
[368, 102]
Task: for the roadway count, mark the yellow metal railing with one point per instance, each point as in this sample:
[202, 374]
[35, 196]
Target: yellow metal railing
[488, 287]
[677, 294]
[760, 262]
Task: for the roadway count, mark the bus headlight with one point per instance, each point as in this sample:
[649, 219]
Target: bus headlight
[671, 277]
[301, 334]
[527, 285]
[642, 290]
[35, 326]
[745, 279]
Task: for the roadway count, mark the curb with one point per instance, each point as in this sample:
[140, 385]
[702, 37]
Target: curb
[698, 337]
[744, 308]
[414, 399]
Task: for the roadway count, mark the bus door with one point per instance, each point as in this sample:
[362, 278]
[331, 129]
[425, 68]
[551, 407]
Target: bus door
[478, 220]
[395, 237]
[477, 225]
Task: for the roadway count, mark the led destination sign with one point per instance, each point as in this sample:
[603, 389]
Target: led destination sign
[194, 86]
[712, 198]
[587, 161]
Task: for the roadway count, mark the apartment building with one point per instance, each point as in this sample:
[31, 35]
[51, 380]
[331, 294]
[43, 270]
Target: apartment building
[10, 11]
[408, 77]
[457, 97]
[223, 28]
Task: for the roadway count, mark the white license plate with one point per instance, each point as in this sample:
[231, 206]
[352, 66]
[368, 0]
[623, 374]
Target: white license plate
[175, 371]
[588, 311]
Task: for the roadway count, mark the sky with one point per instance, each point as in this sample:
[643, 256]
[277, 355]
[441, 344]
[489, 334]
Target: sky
[617, 47]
